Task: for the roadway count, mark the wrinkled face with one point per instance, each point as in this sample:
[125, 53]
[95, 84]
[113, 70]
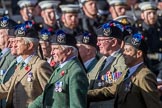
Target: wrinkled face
[104, 44]
[45, 46]
[22, 46]
[48, 16]
[117, 11]
[149, 16]
[70, 20]
[3, 38]
[13, 46]
[90, 7]
[83, 50]
[59, 54]
[27, 12]
[130, 55]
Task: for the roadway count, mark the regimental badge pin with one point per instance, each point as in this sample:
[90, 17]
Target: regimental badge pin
[86, 39]
[128, 86]
[107, 31]
[30, 76]
[58, 86]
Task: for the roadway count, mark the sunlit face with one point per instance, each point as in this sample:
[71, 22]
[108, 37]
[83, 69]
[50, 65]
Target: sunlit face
[22, 47]
[3, 38]
[104, 44]
[90, 7]
[149, 16]
[45, 46]
[13, 46]
[117, 11]
[27, 13]
[70, 20]
[59, 54]
[48, 16]
[130, 55]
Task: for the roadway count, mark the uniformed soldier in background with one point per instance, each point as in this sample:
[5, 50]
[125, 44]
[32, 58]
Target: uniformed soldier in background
[49, 15]
[89, 18]
[86, 44]
[70, 20]
[137, 87]
[111, 66]
[27, 8]
[118, 10]
[152, 30]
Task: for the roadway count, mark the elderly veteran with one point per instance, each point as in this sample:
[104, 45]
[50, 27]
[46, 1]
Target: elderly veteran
[137, 88]
[30, 76]
[111, 66]
[68, 85]
[86, 44]
[5, 55]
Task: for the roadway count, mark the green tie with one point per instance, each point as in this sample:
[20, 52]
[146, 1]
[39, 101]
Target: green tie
[22, 65]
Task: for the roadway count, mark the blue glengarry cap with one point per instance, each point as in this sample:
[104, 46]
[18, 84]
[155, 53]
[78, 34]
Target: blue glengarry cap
[44, 35]
[62, 38]
[86, 38]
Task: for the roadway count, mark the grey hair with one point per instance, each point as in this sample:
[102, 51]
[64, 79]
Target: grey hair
[32, 40]
[74, 52]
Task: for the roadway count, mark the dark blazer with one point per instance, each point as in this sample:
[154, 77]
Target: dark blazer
[73, 88]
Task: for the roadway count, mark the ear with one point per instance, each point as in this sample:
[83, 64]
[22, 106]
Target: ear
[139, 54]
[114, 42]
[42, 13]
[69, 51]
[30, 46]
[63, 18]
[142, 16]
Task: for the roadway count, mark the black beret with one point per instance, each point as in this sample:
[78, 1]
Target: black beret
[6, 23]
[111, 29]
[62, 38]
[86, 38]
[23, 30]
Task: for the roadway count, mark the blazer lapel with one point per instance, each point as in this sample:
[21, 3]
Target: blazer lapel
[26, 69]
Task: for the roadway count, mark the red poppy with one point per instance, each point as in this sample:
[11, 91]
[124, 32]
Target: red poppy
[27, 68]
[62, 73]
[52, 63]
